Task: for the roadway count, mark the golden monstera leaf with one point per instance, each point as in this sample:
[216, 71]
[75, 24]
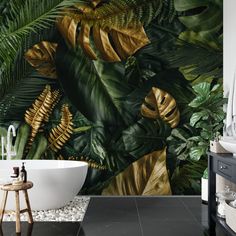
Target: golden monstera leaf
[159, 103]
[41, 57]
[67, 27]
[147, 176]
[113, 43]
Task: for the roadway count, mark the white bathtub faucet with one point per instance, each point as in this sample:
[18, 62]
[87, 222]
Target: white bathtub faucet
[10, 149]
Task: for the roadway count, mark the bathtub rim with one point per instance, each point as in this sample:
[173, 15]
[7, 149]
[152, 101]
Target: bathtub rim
[76, 164]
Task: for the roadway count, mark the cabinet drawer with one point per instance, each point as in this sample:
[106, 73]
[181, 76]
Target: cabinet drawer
[225, 168]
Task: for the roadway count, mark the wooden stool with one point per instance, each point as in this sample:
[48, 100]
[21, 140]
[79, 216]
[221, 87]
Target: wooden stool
[23, 187]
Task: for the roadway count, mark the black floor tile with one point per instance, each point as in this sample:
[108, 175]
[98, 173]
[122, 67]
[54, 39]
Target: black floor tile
[42, 229]
[166, 213]
[111, 216]
[200, 213]
[163, 209]
[193, 201]
[111, 229]
[172, 228]
[112, 209]
[144, 202]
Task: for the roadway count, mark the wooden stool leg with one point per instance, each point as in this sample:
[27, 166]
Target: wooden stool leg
[1, 233]
[30, 217]
[4, 201]
[18, 230]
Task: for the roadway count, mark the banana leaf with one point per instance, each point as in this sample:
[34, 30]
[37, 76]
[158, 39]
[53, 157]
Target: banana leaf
[147, 176]
[96, 88]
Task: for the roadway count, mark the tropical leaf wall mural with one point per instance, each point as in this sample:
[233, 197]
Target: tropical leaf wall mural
[133, 88]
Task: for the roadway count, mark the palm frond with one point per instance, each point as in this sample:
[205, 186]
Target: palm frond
[22, 95]
[23, 20]
[121, 13]
[168, 12]
[206, 62]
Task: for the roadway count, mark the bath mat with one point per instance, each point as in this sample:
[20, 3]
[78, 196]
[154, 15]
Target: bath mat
[72, 212]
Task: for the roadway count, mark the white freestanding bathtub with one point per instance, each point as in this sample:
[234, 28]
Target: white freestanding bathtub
[56, 182]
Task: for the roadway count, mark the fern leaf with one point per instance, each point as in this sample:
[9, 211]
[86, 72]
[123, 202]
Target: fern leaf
[35, 115]
[92, 164]
[62, 132]
[55, 99]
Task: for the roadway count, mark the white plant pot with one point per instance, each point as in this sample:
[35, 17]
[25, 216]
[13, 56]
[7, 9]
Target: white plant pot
[204, 189]
[216, 147]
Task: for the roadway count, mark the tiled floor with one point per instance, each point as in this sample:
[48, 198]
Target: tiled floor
[171, 216]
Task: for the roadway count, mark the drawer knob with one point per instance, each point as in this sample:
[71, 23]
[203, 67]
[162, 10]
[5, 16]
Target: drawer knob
[223, 167]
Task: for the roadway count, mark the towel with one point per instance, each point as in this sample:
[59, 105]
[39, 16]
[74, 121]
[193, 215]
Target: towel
[231, 110]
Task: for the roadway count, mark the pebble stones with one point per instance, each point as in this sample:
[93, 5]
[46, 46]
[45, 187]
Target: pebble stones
[74, 211]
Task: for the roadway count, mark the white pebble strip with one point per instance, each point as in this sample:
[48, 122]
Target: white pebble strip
[74, 211]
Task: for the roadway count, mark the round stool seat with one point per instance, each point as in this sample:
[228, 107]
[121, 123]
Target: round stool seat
[20, 187]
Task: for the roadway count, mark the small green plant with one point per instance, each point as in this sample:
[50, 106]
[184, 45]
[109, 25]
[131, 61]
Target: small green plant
[205, 174]
[190, 142]
[207, 118]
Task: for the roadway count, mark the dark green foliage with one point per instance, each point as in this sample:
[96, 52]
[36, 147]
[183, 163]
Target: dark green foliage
[206, 69]
[179, 142]
[202, 16]
[92, 144]
[145, 137]
[96, 88]
[22, 20]
[186, 177]
[14, 104]
[191, 142]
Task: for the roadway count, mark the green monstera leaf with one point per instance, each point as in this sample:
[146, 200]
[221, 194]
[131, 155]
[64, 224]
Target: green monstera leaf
[202, 38]
[92, 144]
[204, 16]
[98, 145]
[96, 88]
[145, 136]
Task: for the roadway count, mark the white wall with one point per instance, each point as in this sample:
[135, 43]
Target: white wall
[229, 64]
[229, 42]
